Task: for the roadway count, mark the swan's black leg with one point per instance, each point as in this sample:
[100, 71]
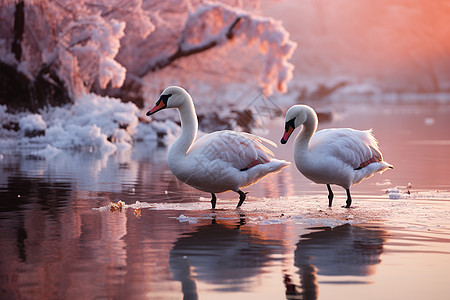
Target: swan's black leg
[349, 198]
[330, 195]
[241, 198]
[213, 200]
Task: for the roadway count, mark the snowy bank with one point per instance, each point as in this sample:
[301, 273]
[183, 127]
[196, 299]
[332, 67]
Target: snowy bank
[92, 123]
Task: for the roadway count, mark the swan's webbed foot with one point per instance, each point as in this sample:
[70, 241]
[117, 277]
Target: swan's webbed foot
[242, 197]
[349, 199]
[213, 200]
[330, 195]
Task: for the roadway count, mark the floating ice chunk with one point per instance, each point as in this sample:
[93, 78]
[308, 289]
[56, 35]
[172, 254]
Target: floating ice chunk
[102, 209]
[429, 121]
[402, 192]
[384, 182]
[191, 220]
[394, 193]
[47, 152]
[122, 206]
[140, 205]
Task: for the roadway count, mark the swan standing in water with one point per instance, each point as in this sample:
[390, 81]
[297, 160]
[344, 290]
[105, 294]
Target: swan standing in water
[341, 156]
[217, 162]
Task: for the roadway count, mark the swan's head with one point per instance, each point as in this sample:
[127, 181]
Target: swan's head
[295, 116]
[172, 97]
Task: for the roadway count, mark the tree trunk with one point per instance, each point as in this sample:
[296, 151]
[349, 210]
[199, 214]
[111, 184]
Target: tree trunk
[19, 26]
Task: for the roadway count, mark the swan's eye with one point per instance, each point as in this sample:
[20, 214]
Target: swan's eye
[290, 123]
[164, 98]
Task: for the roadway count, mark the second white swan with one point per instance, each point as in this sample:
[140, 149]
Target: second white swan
[341, 156]
[217, 162]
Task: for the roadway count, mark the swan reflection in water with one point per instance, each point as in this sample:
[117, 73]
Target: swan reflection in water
[222, 253]
[345, 250]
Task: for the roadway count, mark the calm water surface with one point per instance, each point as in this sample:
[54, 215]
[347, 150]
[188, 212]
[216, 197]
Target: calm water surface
[59, 240]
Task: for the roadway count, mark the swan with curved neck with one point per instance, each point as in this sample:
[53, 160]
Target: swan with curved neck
[217, 162]
[341, 156]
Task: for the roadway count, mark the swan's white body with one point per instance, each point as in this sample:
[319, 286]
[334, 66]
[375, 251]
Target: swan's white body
[341, 156]
[217, 162]
[223, 161]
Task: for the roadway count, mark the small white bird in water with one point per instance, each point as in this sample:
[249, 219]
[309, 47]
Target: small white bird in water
[217, 162]
[341, 156]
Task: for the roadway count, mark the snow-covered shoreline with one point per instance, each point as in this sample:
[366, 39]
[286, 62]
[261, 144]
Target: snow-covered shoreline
[92, 123]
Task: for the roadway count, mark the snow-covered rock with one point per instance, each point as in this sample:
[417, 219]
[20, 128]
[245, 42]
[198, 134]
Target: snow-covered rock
[32, 125]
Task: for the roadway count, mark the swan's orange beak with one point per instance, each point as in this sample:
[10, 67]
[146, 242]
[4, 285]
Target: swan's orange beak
[159, 106]
[287, 134]
[288, 130]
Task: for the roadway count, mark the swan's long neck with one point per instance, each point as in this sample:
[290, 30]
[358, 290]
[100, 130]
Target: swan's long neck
[189, 126]
[308, 130]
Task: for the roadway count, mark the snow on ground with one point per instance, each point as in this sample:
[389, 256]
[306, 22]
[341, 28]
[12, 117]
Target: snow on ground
[92, 123]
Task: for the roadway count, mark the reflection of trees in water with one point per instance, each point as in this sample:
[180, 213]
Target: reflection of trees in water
[22, 194]
[46, 221]
[345, 250]
[221, 253]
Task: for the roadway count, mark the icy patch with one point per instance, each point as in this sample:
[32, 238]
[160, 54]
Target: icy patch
[48, 152]
[312, 211]
[429, 121]
[395, 193]
[429, 211]
[322, 222]
[120, 205]
[400, 192]
[191, 220]
[138, 205]
[158, 206]
[385, 182]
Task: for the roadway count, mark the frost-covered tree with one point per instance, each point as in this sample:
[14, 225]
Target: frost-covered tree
[109, 46]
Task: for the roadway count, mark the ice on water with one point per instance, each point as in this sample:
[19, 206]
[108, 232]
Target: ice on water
[313, 211]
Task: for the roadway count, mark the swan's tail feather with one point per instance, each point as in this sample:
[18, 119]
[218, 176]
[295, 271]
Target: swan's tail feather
[370, 170]
[277, 165]
[388, 165]
[260, 171]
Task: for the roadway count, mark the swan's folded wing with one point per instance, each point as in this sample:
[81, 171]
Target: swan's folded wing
[241, 150]
[354, 147]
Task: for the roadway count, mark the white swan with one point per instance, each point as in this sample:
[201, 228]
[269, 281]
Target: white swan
[219, 161]
[341, 156]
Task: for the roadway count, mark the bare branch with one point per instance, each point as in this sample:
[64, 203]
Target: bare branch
[180, 52]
